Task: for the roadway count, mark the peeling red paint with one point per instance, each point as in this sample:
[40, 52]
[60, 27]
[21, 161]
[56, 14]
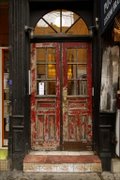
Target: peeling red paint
[45, 111]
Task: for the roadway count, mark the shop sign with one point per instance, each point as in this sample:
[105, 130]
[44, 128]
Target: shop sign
[109, 8]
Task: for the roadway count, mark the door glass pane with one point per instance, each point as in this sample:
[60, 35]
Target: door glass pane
[79, 28]
[51, 71]
[82, 87]
[77, 87]
[71, 55]
[53, 18]
[51, 55]
[43, 28]
[41, 54]
[68, 18]
[41, 71]
[82, 79]
[72, 71]
[81, 71]
[72, 87]
[82, 56]
[51, 88]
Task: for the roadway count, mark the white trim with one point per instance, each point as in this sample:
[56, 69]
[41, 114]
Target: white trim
[59, 153]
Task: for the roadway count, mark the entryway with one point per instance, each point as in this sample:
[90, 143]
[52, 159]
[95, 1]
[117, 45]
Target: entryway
[61, 96]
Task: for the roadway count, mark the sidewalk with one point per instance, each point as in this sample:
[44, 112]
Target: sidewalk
[19, 175]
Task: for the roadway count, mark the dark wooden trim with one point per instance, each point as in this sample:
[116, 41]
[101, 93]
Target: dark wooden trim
[19, 57]
[59, 1]
[107, 138]
[76, 146]
[36, 39]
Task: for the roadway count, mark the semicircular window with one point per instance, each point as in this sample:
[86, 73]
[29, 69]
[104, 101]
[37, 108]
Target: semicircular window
[61, 21]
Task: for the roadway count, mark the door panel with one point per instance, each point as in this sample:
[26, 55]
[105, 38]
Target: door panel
[77, 96]
[45, 97]
[61, 98]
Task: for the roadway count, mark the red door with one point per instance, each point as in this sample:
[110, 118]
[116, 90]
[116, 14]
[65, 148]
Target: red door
[77, 96]
[61, 98]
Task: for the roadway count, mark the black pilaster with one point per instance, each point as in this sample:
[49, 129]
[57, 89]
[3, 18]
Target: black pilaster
[19, 64]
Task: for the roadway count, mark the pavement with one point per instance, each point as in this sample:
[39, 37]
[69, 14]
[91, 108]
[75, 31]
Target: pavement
[19, 175]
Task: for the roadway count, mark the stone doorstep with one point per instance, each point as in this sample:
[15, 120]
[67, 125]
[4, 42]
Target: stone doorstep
[61, 163]
[4, 165]
[115, 165]
[47, 159]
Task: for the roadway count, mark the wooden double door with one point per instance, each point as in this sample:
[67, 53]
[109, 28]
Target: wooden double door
[61, 96]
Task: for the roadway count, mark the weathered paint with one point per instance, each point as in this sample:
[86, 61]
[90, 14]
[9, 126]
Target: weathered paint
[76, 110]
[45, 119]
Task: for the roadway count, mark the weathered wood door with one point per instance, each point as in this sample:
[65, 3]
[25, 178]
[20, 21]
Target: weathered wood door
[77, 96]
[61, 98]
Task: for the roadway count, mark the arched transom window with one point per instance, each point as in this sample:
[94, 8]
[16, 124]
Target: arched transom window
[61, 21]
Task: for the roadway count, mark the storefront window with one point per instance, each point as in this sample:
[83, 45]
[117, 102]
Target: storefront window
[109, 79]
[4, 93]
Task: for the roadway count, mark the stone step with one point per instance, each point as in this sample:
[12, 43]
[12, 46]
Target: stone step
[115, 165]
[71, 162]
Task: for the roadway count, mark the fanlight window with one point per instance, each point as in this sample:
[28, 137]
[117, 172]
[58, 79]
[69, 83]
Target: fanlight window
[61, 21]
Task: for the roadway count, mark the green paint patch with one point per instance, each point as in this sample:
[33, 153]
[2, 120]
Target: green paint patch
[3, 154]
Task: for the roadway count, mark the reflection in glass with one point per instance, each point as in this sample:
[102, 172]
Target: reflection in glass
[42, 28]
[72, 88]
[82, 87]
[81, 71]
[79, 28]
[82, 56]
[51, 55]
[51, 88]
[40, 54]
[77, 87]
[70, 72]
[51, 71]
[71, 55]
[41, 71]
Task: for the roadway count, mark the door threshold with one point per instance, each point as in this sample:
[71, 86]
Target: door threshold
[70, 153]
